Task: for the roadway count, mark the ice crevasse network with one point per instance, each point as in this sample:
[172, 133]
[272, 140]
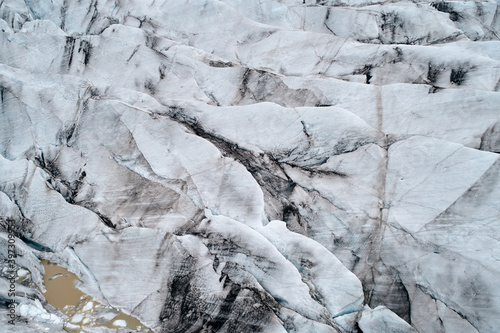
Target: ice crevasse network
[253, 166]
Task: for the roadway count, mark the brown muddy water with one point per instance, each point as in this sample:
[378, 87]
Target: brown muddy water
[82, 310]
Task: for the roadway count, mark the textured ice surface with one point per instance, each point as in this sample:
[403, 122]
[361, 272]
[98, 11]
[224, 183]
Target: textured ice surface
[254, 166]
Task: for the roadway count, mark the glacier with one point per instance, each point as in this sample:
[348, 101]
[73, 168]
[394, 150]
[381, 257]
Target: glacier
[252, 166]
